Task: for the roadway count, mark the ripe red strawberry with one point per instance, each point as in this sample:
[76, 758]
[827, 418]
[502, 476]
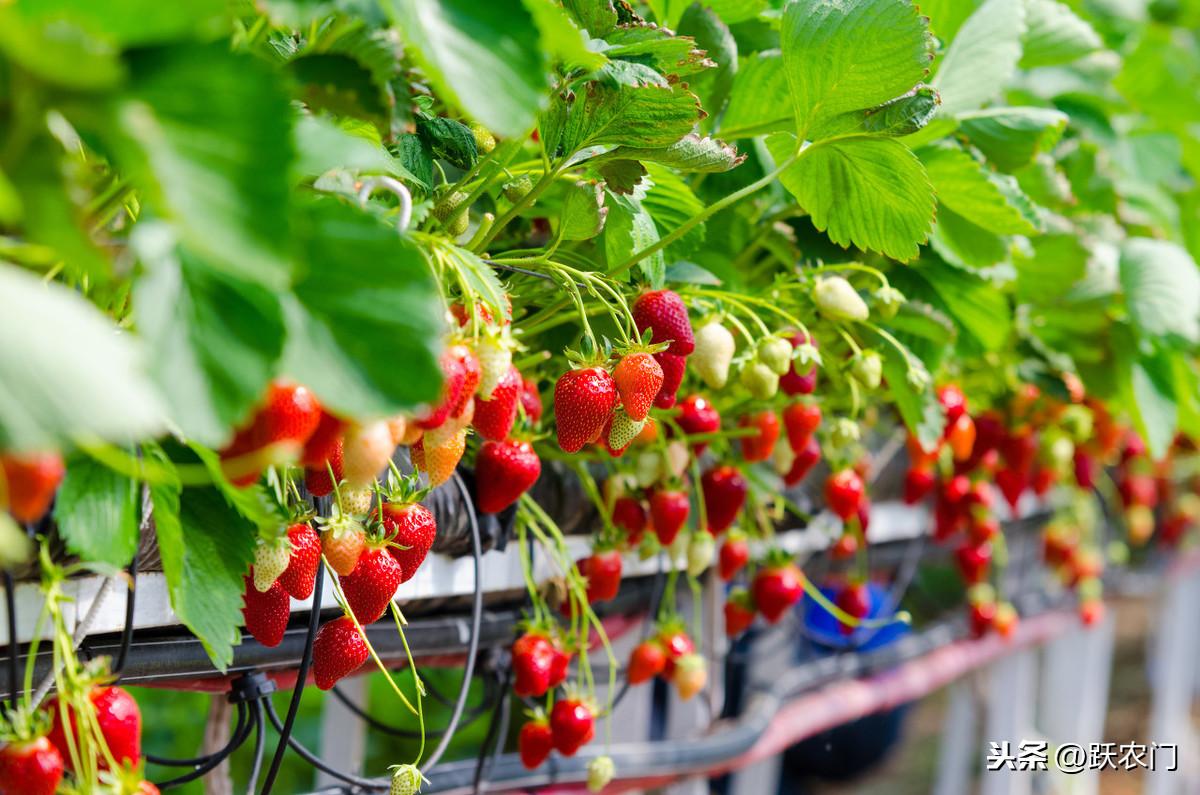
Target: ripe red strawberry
[494, 418]
[603, 572]
[118, 718]
[854, 599]
[338, 651]
[806, 458]
[759, 447]
[531, 400]
[317, 479]
[953, 401]
[639, 377]
[961, 437]
[629, 515]
[29, 483]
[343, 541]
[973, 562]
[321, 445]
[532, 660]
[698, 416]
[733, 556]
[664, 313]
[439, 461]
[677, 644]
[845, 547]
[673, 368]
[278, 431]
[573, 725]
[647, 661]
[796, 383]
[1091, 612]
[983, 528]
[724, 490]
[1043, 480]
[503, 472]
[917, 484]
[560, 664]
[410, 525]
[266, 612]
[583, 402]
[844, 493]
[801, 419]
[454, 378]
[1012, 484]
[32, 767]
[739, 612]
[1019, 451]
[776, 588]
[980, 617]
[370, 587]
[535, 742]
[300, 575]
[1005, 621]
[668, 512]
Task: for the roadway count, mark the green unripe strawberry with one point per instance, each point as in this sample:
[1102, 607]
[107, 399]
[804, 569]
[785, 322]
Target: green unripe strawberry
[713, 353]
[837, 299]
[700, 553]
[868, 369]
[600, 772]
[760, 380]
[406, 780]
[844, 433]
[270, 560]
[624, 429]
[446, 208]
[518, 188]
[888, 301]
[485, 142]
[776, 353]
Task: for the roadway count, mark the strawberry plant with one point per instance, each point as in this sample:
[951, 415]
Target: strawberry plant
[252, 253]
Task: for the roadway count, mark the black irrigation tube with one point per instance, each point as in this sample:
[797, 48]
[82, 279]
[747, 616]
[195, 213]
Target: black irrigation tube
[127, 631]
[210, 762]
[202, 760]
[497, 731]
[285, 733]
[395, 731]
[316, 761]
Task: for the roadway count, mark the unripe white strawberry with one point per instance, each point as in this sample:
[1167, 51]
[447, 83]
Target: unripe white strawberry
[406, 780]
[357, 501]
[624, 429]
[713, 353]
[776, 353]
[677, 458]
[868, 369]
[600, 772]
[700, 552]
[760, 380]
[270, 560]
[782, 458]
[494, 351]
[648, 468]
[836, 298]
[366, 449]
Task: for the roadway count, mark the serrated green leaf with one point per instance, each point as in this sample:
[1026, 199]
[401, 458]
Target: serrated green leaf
[1162, 289]
[86, 379]
[415, 156]
[734, 11]
[218, 169]
[846, 55]
[96, 512]
[869, 192]
[712, 35]
[621, 176]
[365, 327]
[979, 308]
[967, 245]
[583, 212]
[990, 200]
[480, 279]
[630, 229]
[649, 116]
[760, 99]
[901, 116]
[1055, 35]
[214, 338]
[690, 154]
[1012, 137]
[597, 17]
[690, 273]
[448, 139]
[206, 548]
[562, 40]
[671, 203]
[322, 145]
[484, 57]
[657, 48]
[982, 58]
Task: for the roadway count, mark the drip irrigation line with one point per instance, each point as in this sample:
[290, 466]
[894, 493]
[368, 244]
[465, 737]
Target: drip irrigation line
[214, 760]
[202, 760]
[285, 732]
[316, 761]
[497, 732]
[259, 743]
[127, 630]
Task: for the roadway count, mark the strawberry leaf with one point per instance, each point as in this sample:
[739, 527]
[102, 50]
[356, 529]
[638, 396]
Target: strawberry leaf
[630, 228]
[760, 100]
[484, 57]
[96, 511]
[848, 56]
[982, 58]
[868, 192]
[991, 201]
[1055, 35]
[1162, 289]
[1012, 137]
